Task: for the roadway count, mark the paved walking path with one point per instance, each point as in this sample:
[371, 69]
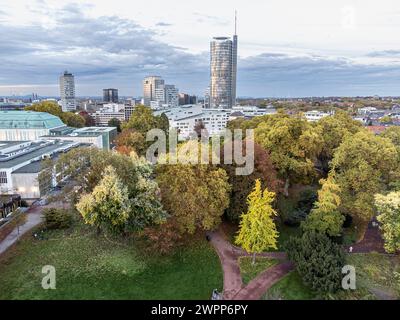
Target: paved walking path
[259, 286]
[234, 289]
[33, 218]
[372, 240]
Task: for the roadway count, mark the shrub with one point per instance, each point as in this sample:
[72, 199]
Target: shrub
[57, 218]
[301, 209]
[306, 201]
[318, 260]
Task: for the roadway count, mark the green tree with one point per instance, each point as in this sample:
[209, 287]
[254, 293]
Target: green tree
[389, 216]
[194, 195]
[293, 144]
[362, 165]
[318, 260]
[386, 119]
[69, 118]
[114, 122]
[334, 129]
[142, 120]
[46, 106]
[107, 207]
[257, 230]
[326, 217]
[73, 120]
[85, 166]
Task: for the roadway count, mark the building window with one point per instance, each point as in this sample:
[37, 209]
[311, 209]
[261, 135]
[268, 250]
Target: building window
[3, 177]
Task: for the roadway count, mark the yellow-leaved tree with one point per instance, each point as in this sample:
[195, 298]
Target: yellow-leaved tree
[257, 230]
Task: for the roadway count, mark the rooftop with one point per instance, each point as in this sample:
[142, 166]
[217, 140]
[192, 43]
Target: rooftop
[34, 152]
[28, 120]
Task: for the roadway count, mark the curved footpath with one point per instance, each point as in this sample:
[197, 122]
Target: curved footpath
[33, 218]
[234, 289]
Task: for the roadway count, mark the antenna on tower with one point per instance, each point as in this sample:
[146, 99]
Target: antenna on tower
[235, 22]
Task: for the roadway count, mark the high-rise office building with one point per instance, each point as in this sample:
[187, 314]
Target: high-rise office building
[223, 71]
[67, 91]
[150, 84]
[110, 95]
[185, 98]
[171, 95]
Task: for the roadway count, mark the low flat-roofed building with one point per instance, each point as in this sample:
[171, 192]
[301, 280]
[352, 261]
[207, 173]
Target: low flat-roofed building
[20, 165]
[100, 137]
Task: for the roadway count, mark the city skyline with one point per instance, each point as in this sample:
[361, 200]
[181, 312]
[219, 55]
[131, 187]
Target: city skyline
[345, 48]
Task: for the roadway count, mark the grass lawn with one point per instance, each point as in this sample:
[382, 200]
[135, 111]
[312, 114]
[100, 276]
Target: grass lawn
[377, 277]
[249, 271]
[92, 267]
[290, 287]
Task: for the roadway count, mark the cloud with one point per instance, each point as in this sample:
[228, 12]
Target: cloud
[103, 50]
[385, 53]
[204, 18]
[110, 51]
[164, 24]
[310, 75]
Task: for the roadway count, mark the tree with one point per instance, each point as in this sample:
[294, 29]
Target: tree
[362, 165]
[163, 123]
[108, 205]
[114, 122]
[293, 144]
[242, 185]
[69, 118]
[318, 260]
[73, 120]
[257, 230]
[334, 129]
[386, 120]
[326, 217]
[86, 165]
[389, 216]
[198, 128]
[131, 140]
[194, 195]
[89, 120]
[143, 120]
[46, 106]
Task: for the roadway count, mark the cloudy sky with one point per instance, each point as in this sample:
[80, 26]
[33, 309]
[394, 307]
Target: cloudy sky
[286, 47]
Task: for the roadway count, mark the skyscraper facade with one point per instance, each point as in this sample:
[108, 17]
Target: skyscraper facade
[150, 84]
[171, 95]
[223, 70]
[67, 91]
[110, 95]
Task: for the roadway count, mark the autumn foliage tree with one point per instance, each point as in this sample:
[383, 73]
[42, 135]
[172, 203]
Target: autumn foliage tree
[195, 195]
[69, 118]
[362, 165]
[107, 206]
[325, 217]
[293, 144]
[389, 216]
[334, 130]
[131, 140]
[242, 185]
[257, 230]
